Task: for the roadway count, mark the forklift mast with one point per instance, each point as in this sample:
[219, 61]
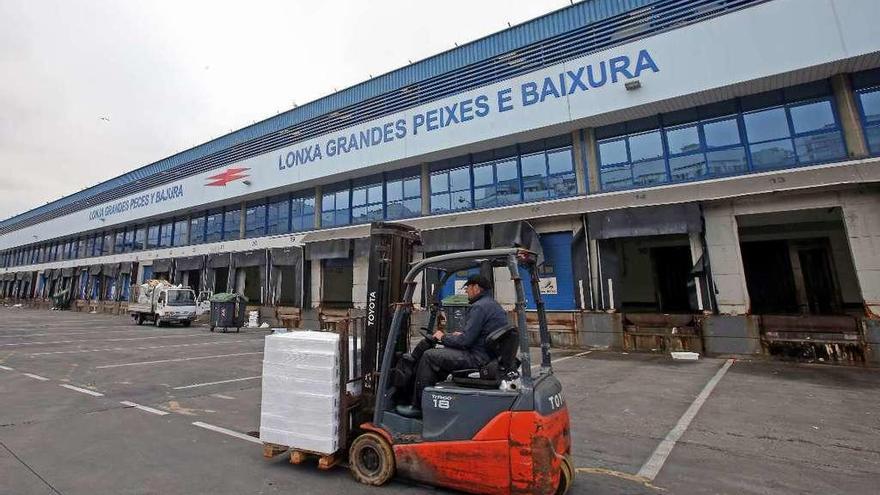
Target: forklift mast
[391, 253]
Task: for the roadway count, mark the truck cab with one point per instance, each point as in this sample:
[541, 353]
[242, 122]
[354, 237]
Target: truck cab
[162, 303]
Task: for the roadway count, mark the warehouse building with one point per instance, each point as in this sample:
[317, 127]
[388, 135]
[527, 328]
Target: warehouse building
[701, 174]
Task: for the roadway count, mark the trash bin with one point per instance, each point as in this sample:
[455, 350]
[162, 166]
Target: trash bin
[228, 311]
[456, 308]
[61, 300]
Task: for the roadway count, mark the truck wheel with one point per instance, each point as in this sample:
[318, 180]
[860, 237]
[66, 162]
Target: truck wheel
[158, 322]
[212, 328]
[187, 323]
[371, 459]
[566, 477]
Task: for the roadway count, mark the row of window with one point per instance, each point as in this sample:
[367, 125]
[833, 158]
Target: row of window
[785, 128]
[727, 138]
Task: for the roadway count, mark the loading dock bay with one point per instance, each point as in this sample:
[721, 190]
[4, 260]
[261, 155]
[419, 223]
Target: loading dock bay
[91, 404]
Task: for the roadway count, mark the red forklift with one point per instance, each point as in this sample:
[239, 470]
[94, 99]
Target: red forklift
[500, 429]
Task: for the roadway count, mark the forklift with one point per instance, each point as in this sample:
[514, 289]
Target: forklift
[500, 429]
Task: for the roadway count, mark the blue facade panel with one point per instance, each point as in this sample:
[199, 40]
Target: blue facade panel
[557, 268]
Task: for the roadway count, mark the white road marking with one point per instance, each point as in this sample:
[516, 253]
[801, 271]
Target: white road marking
[6, 368]
[145, 363]
[142, 348]
[100, 340]
[82, 390]
[36, 377]
[231, 433]
[559, 360]
[144, 408]
[653, 465]
[221, 396]
[196, 385]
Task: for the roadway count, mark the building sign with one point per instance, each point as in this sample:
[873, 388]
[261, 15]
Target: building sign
[783, 36]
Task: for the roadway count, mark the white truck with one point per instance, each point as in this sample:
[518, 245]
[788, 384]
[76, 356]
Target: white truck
[161, 303]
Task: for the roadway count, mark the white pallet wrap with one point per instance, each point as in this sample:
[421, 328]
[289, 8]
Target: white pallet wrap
[300, 404]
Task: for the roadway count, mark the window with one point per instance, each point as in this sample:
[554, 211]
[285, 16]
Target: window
[128, 240]
[214, 226]
[278, 215]
[797, 133]
[81, 248]
[165, 233]
[403, 198]
[152, 236]
[302, 213]
[255, 220]
[140, 238]
[232, 224]
[90, 246]
[496, 183]
[181, 233]
[197, 229]
[869, 101]
[367, 203]
[119, 241]
[335, 209]
[451, 190]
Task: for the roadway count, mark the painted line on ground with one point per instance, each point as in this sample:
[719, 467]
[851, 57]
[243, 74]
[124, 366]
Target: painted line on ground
[161, 361]
[81, 390]
[103, 340]
[36, 377]
[196, 385]
[559, 360]
[142, 348]
[6, 368]
[144, 408]
[240, 436]
[655, 463]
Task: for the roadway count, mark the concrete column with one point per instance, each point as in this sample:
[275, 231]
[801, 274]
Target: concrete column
[725, 256]
[595, 278]
[863, 230]
[317, 283]
[591, 151]
[319, 201]
[800, 286]
[580, 170]
[850, 122]
[241, 222]
[426, 189]
[696, 243]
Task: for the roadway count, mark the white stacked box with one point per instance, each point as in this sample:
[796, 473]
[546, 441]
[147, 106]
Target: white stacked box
[300, 406]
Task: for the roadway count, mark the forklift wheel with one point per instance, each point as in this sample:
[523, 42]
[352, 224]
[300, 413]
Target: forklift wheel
[371, 460]
[566, 477]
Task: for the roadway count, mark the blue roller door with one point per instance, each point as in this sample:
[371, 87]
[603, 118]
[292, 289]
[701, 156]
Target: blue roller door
[448, 288]
[556, 273]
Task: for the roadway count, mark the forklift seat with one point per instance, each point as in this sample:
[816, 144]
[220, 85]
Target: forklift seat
[503, 345]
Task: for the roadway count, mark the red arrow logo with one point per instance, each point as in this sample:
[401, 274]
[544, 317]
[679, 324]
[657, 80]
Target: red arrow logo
[226, 177]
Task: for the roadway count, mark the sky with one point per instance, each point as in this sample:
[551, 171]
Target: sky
[91, 89]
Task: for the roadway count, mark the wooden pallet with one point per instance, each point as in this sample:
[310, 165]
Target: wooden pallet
[298, 456]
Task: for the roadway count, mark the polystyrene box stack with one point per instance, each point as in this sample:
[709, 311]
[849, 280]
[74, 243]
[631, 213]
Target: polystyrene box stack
[300, 406]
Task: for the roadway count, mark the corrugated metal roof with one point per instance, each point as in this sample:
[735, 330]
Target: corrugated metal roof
[509, 39]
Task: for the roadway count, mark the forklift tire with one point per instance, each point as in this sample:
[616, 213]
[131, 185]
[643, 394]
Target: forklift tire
[371, 460]
[566, 477]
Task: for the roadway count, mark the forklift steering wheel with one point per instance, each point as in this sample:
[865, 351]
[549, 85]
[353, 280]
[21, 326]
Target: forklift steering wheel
[430, 338]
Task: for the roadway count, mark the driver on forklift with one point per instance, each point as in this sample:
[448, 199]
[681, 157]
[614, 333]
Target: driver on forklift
[461, 350]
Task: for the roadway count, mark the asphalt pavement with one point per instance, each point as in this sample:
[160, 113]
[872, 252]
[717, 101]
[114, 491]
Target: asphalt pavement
[92, 404]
